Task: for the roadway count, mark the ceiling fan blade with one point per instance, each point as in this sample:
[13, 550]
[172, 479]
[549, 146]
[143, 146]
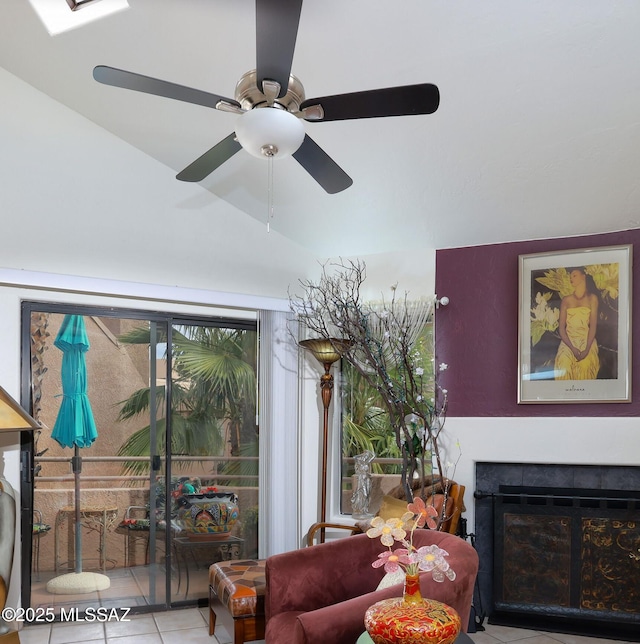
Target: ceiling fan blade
[276, 32]
[203, 166]
[140, 83]
[321, 166]
[392, 101]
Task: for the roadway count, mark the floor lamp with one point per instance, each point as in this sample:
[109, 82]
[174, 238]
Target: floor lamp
[12, 419]
[326, 351]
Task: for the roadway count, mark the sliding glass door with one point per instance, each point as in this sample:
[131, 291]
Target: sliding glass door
[173, 402]
[214, 449]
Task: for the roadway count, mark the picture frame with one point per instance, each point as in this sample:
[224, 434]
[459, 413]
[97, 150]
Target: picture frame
[574, 326]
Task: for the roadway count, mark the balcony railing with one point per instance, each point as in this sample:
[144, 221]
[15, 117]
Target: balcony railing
[213, 477]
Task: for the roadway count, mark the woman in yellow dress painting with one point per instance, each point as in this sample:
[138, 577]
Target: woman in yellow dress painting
[577, 357]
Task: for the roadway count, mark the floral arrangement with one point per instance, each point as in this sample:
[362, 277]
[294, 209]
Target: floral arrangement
[410, 559]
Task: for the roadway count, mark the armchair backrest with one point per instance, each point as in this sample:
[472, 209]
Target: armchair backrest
[328, 587]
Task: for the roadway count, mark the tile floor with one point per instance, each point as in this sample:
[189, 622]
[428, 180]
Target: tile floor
[190, 626]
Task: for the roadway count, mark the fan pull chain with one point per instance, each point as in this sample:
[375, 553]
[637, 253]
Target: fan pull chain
[269, 193]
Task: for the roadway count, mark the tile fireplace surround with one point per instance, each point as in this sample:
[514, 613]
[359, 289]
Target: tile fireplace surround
[559, 547]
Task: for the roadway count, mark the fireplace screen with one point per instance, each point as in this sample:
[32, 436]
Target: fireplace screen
[567, 553]
[537, 559]
[610, 567]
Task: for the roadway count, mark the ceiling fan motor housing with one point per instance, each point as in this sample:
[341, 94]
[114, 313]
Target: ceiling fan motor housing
[249, 95]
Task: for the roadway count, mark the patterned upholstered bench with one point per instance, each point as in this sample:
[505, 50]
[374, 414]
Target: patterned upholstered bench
[238, 587]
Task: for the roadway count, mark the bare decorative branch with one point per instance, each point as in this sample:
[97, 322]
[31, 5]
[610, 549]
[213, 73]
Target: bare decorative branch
[383, 347]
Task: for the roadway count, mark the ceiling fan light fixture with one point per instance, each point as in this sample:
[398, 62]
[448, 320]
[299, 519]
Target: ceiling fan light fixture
[269, 132]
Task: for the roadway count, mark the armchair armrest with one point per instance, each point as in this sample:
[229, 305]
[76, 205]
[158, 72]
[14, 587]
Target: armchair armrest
[311, 535]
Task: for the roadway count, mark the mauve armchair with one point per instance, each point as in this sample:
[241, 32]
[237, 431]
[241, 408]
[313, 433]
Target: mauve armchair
[320, 594]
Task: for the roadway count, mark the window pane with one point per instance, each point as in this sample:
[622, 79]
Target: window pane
[366, 426]
[213, 468]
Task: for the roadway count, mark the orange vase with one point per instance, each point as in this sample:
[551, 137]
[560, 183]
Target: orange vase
[411, 619]
[412, 589]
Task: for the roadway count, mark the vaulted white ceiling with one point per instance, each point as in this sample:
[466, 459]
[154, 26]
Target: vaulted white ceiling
[537, 133]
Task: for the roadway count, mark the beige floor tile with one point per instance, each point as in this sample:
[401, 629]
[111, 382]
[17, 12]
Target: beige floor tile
[179, 619]
[128, 589]
[579, 639]
[204, 611]
[35, 634]
[139, 626]
[508, 633]
[482, 637]
[148, 638]
[76, 632]
[187, 636]
[541, 638]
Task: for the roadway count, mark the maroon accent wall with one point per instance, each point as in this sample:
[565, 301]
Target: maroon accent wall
[477, 333]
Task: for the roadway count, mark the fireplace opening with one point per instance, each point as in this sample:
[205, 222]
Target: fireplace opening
[564, 558]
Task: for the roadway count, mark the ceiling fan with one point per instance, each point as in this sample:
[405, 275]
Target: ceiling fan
[272, 105]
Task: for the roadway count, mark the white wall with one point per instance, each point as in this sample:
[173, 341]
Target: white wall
[412, 273]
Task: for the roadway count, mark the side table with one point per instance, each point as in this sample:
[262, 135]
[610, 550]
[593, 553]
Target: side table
[99, 519]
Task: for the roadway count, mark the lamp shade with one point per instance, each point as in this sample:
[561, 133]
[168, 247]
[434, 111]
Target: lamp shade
[12, 416]
[269, 132]
[326, 350]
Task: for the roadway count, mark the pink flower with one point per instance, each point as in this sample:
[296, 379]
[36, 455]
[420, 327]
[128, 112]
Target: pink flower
[425, 514]
[392, 560]
[432, 559]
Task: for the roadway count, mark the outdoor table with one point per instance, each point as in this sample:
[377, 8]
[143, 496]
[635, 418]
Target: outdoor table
[96, 518]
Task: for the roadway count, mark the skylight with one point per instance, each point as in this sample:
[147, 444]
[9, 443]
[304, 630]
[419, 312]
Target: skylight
[62, 15]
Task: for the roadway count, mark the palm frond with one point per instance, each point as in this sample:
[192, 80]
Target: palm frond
[213, 387]
[138, 403]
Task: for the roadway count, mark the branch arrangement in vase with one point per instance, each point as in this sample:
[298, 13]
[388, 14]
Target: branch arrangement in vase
[385, 345]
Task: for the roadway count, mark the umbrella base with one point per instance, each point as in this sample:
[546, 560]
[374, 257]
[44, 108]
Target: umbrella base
[77, 583]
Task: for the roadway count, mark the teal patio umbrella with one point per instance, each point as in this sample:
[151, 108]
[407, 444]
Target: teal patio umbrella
[75, 427]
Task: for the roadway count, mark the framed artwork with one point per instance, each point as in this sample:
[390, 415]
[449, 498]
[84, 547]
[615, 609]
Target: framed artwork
[574, 326]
